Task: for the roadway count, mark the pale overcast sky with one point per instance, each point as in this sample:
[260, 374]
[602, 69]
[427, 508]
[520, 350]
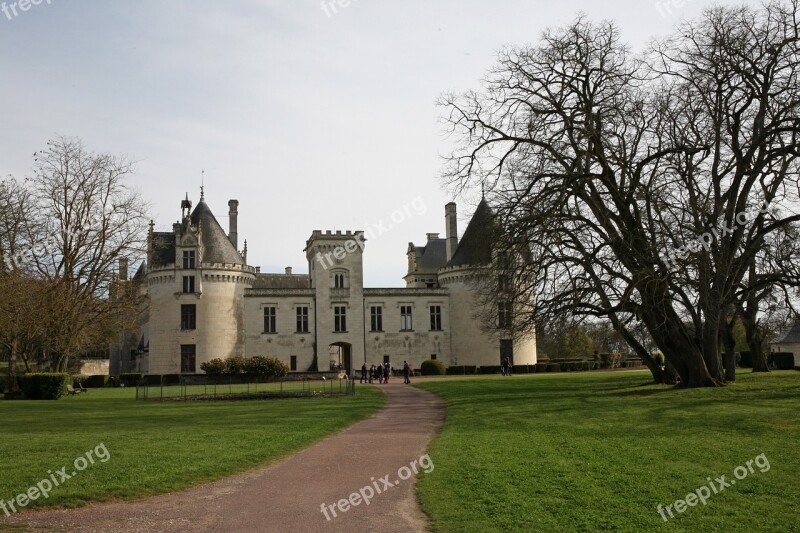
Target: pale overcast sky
[312, 117]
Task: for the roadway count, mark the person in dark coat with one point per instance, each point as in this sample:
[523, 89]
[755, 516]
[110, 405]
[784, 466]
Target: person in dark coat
[364, 373]
[406, 372]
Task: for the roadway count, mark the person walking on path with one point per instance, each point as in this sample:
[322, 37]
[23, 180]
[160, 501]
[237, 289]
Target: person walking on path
[363, 373]
[386, 372]
[406, 373]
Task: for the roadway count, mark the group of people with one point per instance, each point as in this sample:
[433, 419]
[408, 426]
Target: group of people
[506, 366]
[381, 373]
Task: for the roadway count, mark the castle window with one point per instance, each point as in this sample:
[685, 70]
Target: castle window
[340, 318]
[338, 281]
[504, 315]
[188, 284]
[188, 352]
[376, 318]
[293, 363]
[302, 320]
[188, 259]
[188, 316]
[502, 283]
[405, 318]
[436, 318]
[269, 320]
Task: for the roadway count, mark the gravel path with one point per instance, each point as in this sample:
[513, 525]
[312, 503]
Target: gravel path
[288, 495]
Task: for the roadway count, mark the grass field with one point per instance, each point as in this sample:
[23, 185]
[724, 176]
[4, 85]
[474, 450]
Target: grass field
[600, 451]
[156, 447]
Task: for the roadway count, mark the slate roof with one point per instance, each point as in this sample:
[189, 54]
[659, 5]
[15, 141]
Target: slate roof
[793, 335]
[432, 256]
[163, 248]
[475, 246]
[217, 248]
[281, 281]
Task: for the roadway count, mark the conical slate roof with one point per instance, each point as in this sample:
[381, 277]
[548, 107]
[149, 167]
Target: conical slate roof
[217, 246]
[475, 247]
[793, 335]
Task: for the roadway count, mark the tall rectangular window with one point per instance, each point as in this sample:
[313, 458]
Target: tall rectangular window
[405, 318]
[376, 318]
[436, 318]
[188, 284]
[302, 320]
[504, 315]
[293, 363]
[340, 318]
[269, 320]
[188, 259]
[187, 358]
[188, 316]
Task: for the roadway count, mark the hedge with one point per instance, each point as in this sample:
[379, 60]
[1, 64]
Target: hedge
[490, 369]
[3, 384]
[523, 369]
[79, 379]
[783, 360]
[461, 369]
[745, 360]
[96, 381]
[432, 368]
[553, 367]
[44, 385]
[131, 379]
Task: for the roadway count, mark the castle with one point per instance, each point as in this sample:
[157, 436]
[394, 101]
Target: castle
[203, 301]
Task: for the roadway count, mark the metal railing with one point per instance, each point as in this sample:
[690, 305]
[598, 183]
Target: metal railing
[234, 388]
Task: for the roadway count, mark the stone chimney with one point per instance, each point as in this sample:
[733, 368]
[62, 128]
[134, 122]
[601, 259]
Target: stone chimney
[233, 215]
[288, 271]
[451, 226]
[123, 268]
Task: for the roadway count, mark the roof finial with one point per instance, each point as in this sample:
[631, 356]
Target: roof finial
[202, 183]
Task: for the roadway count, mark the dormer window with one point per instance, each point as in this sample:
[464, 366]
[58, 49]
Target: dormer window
[188, 259]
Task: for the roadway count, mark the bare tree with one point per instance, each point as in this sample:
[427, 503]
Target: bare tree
[85, 219]
[601, 163]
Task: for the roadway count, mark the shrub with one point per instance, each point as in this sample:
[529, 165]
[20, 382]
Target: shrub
[490, 369]
[783, 360]
[432, 368]
[659, 357]
[235, 365]
[455, 370]
[3, 384]
[96, 381]
[44, 385]
[265, 367]
[553, 367]
[79, 379]
[130, 379]
[214, 367]
[745, 360]
[523, 369]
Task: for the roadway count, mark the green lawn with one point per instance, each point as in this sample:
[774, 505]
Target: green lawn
[157, 447]
[600, 451]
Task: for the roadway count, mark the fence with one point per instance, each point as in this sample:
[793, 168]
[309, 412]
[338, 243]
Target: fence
[231, 388]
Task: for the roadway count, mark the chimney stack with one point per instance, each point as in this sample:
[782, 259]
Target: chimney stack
[432, 236]
[451, 227]
[288, 270]
[123, 268]
[233, 215]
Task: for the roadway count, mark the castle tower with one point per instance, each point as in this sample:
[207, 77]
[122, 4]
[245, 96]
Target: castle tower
[335, 265]
[466, 256]
[195, 283]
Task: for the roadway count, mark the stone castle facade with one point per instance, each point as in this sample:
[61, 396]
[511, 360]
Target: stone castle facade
[203, 301]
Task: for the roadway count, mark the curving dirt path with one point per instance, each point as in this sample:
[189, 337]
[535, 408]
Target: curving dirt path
[287, 496]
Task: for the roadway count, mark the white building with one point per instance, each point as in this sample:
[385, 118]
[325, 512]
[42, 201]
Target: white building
[203, 301]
